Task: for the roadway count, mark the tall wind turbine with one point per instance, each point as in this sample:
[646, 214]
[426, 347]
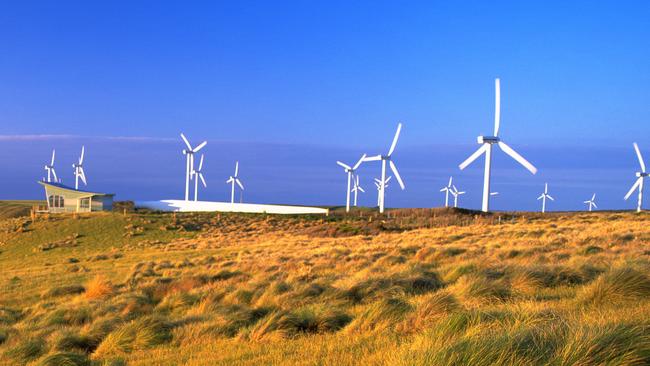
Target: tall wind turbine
[639, 181]
[447, 190]
[356, 187]
[189, 167]
[79, 170]
[198, 175]
[455, 192]
[544, 196]
[350, 171]
[234, 179]
[384, 159]
[378, 185]
[591, 203]
[50, 169]
[486, 148]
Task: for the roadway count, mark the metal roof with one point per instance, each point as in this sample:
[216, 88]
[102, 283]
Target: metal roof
[71, 189]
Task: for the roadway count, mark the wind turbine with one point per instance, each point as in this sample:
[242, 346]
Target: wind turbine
[356, 188]
[378, 185]
[591, 202]
[234, 179]
[454, 192]
[447, 190]
[639, 181]
[486, 148]
[350, 170]
[189, 167]
[544, 196]
[50, 169]
[198, 175]
[384, 159]
[79, 170]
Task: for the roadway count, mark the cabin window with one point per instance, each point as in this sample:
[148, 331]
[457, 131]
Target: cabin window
[56, 201]
[84, 203]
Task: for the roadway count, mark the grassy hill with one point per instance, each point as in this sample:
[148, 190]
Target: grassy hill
[11, 209]
[421, 287]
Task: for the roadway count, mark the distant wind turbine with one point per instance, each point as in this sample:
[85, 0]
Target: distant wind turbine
[455, 192]
[50, 169]
[639, 181]
[350, 171]
[384, 159]
[544, 196]
[447, 190]
[234, 179]
[198, 175]
[591, 203]
[79, 170]
[189, 154]
[379, 187]
[486, 148]
[356, 188]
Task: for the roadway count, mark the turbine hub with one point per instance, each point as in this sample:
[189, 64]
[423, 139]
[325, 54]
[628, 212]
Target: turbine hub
[487, 139]
[642, 174]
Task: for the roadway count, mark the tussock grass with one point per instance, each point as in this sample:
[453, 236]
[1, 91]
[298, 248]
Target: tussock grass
[65, 359]
[623, 284]
[136, 335]
[98, 288]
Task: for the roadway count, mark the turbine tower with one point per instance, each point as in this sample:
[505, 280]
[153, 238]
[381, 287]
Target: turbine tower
[447, 190]
[591, 203]
[350, 171]
[79, 170]
[639, 180]
[356, 187]
[197, 174]
[378, 185]
[486, 148]
[50, 169]
[455, 192]
[544, 196]
[234, 179]
[384, 159]
[189, 166]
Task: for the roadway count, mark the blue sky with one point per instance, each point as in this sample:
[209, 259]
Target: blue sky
[290, 87]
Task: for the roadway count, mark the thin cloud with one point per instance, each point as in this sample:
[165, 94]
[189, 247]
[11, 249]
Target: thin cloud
[51, 137]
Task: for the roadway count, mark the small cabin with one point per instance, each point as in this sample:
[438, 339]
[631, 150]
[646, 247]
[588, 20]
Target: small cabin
[61, 198]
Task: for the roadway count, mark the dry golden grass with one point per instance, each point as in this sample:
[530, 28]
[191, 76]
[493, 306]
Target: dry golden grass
[423, 287]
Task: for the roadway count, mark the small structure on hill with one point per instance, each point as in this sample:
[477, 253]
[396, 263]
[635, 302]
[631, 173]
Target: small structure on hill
[61, 198]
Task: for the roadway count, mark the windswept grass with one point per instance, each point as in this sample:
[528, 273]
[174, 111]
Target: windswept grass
[420, 287]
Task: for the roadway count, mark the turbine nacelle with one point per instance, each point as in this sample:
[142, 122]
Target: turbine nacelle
[642, 174]
[488, 139]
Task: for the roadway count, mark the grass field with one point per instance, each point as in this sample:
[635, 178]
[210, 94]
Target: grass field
[423, 287]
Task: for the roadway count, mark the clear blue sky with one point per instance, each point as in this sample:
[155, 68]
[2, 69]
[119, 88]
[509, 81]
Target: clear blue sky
[289, 87]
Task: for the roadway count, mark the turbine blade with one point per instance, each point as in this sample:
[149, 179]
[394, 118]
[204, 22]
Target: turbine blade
[388, 179]
[473, 157]
[444, 189]
[545, 188]
[638, 155]
[449, 185]
[81, 158]
[53, 154]
[361, 189]
[397, 176]
[593, 197]
[236, 168]
[497, 106]
[634, 187]
[373, 158]
[201, 145]
[595, 205]
[345, 166]
[520, 159]
[54, 174]
[189, 147]
[229, 180]
[203, 180]
[239, 184]
[392, 146]
[359, 162]
[82, 175]
[201, 163]
[550, 198]
[540, 197]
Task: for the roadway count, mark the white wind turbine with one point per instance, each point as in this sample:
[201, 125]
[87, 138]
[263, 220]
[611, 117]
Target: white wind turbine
[79, 170]
[378, 185]
[50, 169]
[544, 196]
[197, 174]
[447, 190]
[591, 203]
[486, 148]
[234, 179]
[356, 187]
[384, 159]
[189, 167]
[639, 181]
[350, 171]
[455, 192]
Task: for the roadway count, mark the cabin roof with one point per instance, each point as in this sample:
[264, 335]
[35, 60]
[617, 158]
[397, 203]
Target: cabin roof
[79, 192]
